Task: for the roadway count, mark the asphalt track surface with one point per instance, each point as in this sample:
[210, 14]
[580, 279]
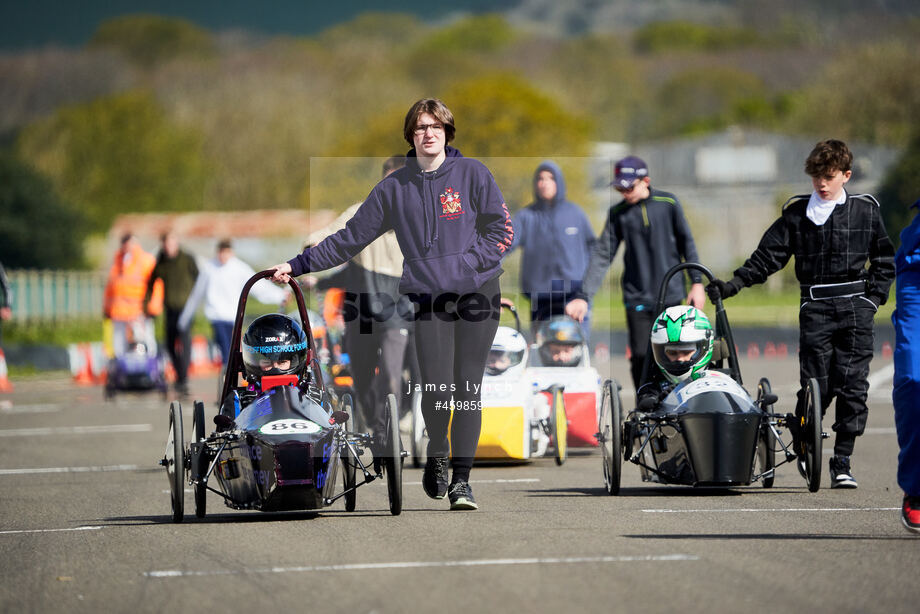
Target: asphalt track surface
[85, 526]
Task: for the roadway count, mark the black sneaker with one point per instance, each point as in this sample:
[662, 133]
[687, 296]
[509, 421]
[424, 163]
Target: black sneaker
[910, 513]
[434, 480]
[461, 497]
[840, 472]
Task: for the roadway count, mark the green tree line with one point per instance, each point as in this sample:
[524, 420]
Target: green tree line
[176, 118]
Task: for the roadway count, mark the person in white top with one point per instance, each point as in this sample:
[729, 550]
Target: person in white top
[219, 285]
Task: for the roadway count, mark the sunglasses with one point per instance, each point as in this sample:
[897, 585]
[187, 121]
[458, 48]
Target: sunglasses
[629, 189]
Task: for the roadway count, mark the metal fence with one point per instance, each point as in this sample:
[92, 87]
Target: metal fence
[56, 295]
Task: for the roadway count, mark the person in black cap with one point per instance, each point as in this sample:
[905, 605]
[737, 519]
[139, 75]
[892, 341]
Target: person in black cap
[832, 235]
[657, 236]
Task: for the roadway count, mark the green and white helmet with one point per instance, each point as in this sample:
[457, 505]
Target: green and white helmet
[682, 342]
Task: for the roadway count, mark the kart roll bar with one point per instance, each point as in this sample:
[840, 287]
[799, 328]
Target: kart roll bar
[722, 329]
[235, 360]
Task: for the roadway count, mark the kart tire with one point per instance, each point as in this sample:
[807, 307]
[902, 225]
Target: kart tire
[201, 489]
[766, 441]
[559, 426]
[175, 462]
[811, 431]
[392, 462]
[610, 437]
[349, 465]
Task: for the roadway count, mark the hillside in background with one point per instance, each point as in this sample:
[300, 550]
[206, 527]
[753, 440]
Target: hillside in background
[158, 113]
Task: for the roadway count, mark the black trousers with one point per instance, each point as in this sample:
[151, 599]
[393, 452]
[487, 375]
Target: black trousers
[836, 340]
[376, 364]
[453, 346]
[639, 327]
[178, 344]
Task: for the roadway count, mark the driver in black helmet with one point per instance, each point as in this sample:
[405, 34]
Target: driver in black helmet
[561, 342]
[274, 344]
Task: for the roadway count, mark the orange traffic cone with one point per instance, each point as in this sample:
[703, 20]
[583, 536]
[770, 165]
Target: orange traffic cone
[84, 375]
[5, 384]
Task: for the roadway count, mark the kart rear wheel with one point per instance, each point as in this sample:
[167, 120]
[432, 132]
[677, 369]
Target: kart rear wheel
[610, 437]
[201, 490]
[766, 443]
[349, 465]
[175, 462]
[419, 435]
[811, 433]
[392, 462]
[559, 426]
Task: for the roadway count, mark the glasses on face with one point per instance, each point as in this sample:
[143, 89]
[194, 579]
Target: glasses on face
[629, 189]
[421, 129]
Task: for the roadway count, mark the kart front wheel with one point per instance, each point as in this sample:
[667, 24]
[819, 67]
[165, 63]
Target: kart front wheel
[766, 442]
[201, 489]
[174, 461]
[559, 426]
[610, 437]
[811, 434]
[349, 464]
[393, 459]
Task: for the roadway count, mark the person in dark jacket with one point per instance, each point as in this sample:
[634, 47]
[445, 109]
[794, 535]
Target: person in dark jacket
[832, 235]
[657, 236]
[556, 238]
[179, 272]
[453, 228]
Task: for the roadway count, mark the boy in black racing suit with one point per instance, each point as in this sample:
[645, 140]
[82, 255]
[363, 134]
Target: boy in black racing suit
[832, 235]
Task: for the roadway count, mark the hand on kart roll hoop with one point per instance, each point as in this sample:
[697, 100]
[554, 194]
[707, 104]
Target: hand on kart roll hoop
[723, 289]
[577, 309]
[282, 272]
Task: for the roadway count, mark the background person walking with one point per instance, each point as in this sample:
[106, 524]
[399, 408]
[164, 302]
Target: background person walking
[219, 286]
[657, 236]
[177, 271]
[556, 239]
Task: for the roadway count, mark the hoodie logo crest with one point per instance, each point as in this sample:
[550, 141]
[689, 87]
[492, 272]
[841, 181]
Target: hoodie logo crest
[451, 205]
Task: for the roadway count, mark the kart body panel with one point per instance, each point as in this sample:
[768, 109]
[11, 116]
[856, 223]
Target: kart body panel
[581, 390]
[280, 459]
[707, 434]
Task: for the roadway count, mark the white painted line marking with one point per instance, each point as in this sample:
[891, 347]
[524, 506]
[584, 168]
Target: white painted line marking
[50, 530]
[881, 430]
[32, 409]
[497, 481]
[176, 573]
[881, 376]
[91, 469]
[774, 509]
[77, 430]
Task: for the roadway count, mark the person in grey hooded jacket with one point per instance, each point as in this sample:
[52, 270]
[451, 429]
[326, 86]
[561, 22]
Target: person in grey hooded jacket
[556, 241]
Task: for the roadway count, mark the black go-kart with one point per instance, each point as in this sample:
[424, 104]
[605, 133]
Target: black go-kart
[709, 431]
[279, 446]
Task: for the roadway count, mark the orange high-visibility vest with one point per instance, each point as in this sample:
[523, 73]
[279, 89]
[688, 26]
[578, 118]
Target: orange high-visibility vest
[127, 285]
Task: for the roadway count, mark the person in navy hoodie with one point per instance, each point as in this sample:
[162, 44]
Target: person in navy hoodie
[453, 228]
[556, 238]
